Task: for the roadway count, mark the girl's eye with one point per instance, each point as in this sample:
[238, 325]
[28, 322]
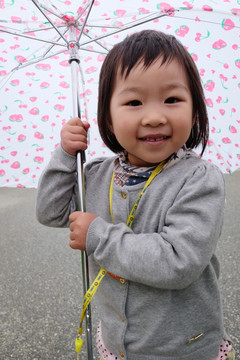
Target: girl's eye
[134, 103]
[171, 100]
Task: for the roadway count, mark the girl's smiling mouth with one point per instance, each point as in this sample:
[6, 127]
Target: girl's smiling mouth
[154, 138]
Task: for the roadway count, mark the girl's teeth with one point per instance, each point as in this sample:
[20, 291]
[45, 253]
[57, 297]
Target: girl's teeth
[154, 139]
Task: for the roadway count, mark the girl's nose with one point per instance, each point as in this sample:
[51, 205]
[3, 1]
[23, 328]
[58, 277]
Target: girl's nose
[154, 116]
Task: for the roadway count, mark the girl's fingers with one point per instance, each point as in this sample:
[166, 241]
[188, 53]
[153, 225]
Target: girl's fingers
[74, 136]
[73, 216]
[78, 122]
[77, 137]
[76, 130]
[71, 236]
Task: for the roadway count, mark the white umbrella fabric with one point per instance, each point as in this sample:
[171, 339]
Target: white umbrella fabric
[36, 99]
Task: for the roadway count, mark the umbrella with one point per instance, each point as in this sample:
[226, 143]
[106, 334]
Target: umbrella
[36, 100]
[42, 45]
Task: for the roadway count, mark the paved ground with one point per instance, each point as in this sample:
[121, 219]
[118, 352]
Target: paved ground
[40, 287]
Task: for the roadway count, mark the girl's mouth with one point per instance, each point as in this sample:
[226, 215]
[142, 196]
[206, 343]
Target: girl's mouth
[154, 138]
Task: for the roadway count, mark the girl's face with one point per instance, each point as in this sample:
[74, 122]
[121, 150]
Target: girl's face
[152, 112]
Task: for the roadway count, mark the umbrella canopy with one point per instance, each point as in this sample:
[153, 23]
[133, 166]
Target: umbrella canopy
[35, 75]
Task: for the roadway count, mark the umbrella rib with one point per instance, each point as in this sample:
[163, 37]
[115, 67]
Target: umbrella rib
[149, 17]
[30, 37]
[103, 26]
[128, 26]
[43, 29]
[85, 20]
[97, 42]
[204, 21]
[47, 51]
[94, 51]
[51, 11]
[39, 8]
[82, 12]
[30, 62]
[7, 77]
[197, 9]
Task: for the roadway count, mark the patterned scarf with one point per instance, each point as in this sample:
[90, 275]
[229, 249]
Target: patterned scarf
[126, 174]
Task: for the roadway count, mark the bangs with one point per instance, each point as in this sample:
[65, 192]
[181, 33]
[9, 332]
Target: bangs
[146, 51]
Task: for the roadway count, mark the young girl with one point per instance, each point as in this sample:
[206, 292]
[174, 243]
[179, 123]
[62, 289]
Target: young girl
[154, 211]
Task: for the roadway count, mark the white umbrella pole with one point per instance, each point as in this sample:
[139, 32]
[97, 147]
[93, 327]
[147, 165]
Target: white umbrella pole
[74, 61]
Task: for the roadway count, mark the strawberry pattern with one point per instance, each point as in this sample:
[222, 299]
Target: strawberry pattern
[36, 100]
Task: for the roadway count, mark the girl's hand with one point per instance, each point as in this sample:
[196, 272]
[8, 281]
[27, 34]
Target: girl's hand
[80, 222]
[74, 136]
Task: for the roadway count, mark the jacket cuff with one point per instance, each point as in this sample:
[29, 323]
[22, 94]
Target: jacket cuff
[65, 158]
[97, 226]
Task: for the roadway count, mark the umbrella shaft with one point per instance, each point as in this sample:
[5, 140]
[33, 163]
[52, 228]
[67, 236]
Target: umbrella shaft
[74, 61]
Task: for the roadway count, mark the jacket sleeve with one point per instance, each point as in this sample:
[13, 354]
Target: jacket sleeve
[178, 253]
[57, 193]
